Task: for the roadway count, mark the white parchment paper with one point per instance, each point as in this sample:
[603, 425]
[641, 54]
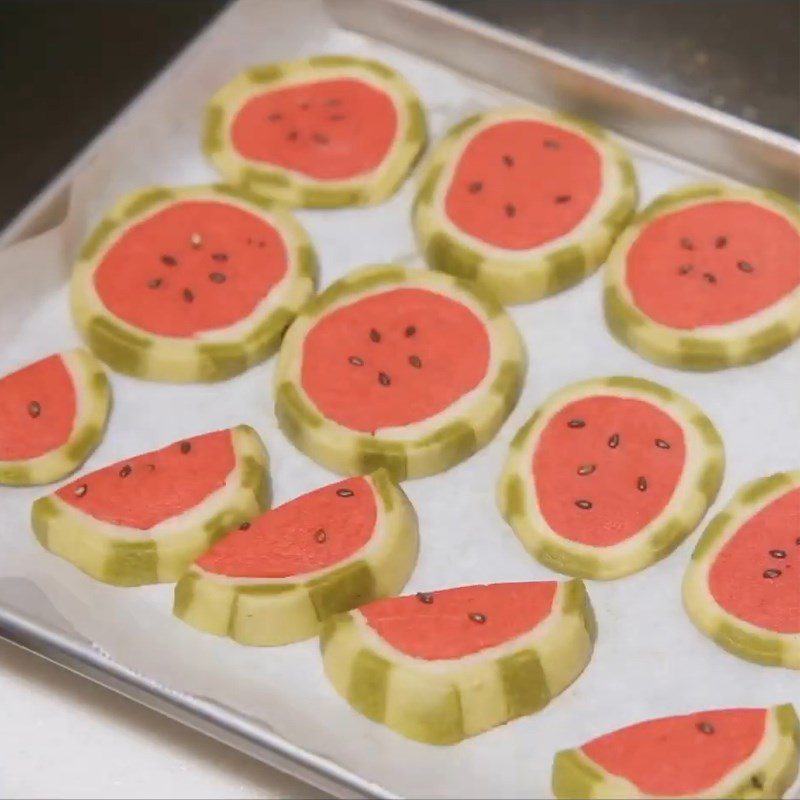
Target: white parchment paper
[649, 660]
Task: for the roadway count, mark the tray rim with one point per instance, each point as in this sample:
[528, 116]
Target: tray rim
[73, 652]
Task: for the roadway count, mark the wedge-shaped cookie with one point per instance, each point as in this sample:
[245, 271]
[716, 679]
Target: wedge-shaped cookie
[441, 666]
[52, 416]
[728, 753]
[609, 476]
[742, 587]
[329, 130]
[276, 579]
[145, 519]
[190, 284]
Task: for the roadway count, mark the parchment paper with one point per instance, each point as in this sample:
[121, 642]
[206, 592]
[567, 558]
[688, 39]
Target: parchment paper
[649, 660]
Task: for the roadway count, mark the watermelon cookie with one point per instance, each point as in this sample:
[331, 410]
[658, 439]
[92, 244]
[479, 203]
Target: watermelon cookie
[707, 277]
[321, 131]
[190, 284]
[441, 666]
[52, 416]
[523, 201]
[401, 368]
[275, 579]
[726, 753]
[145, 519]
[609, 476]
[742, 587]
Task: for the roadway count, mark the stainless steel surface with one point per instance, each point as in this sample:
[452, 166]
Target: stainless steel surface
[678, 127]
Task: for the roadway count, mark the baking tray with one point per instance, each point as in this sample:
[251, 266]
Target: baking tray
[460, 65]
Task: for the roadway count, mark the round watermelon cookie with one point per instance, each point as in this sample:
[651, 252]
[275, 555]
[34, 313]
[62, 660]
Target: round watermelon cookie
[145, 519]
[399, 368]
[609, 476]
[323, 131]
[523, 201]
[707, 277]
[726, 753]
[441, 666]
[190, 284]
[275, 579]
[52, 416]
[742, 587]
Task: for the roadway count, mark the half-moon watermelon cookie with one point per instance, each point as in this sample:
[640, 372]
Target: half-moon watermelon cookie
[707, 277]
[441, 666]
[523, 201]
[406, 369]
[275, 579]
[724, 753]
[742, 587]
[52, 416]
[190, 284]
[144, 520]
[609, 476]
[329, 130]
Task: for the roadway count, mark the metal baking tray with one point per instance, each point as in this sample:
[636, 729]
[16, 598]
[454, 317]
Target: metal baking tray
[682, 137]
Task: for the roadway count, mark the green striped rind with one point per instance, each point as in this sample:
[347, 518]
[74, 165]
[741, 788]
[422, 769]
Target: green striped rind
[144, 557]
[212, 355]
[274, 611]
[735, 635]
[443, 702]
[294, 188]
[767, 773]
[93, 403]
[518, 505]
[745, 342]
[522, 276]
[437, 448]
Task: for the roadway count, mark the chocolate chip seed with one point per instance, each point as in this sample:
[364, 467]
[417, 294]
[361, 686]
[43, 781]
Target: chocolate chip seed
[169, 261]
[613, 440]
[219, 256]
[778, 553]
[415, 361]
[563, 198]
[508, 161]
[662, 444]
[384, 379]
[34, 408]
[709, 277]
[745, 266]
[576, 423]
[217, 277]
[772, 573]
[125, 471]
[476, 616]
[292, 136]
[188, 295]
[720, 242]
[305, 105]
[333, 101]
[151, 467]
[185, 447]
[551, 144]
[196, 240]
[685, 269]
[154, 283]
[797, 540]
[356, 361]
[320, 138]
[374, 335]
[320, 536]
[641, 484]
[757, 782]
[81, 490]
[345, 492]
[425, 597]
[244, 526]
[510, 209]
[705, 727]
[475, 187]
[410, 330]
[274, 116]
[586, 469]
[584, 504]
[686, 243]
